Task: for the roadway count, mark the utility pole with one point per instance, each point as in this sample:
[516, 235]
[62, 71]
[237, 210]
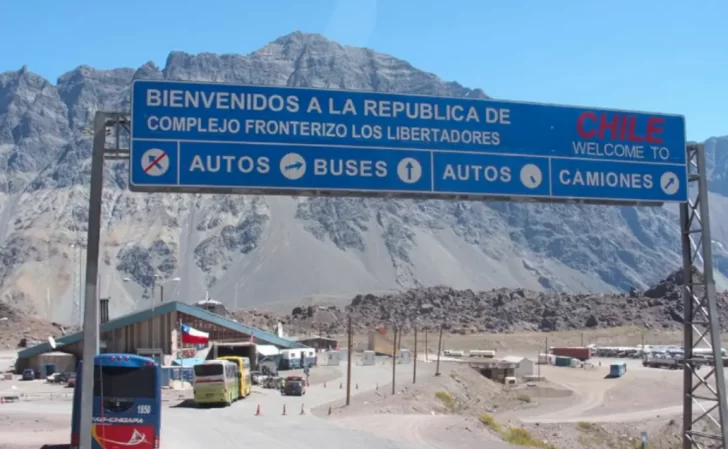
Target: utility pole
[414, 371]
[439, 350]
[154, 318]
[582, 339]
[400, 332]
[394, 359]
[91, 330]
[426, 348]
[348, 369]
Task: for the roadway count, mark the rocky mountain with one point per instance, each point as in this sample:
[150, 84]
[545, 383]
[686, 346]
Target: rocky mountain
[250, 251]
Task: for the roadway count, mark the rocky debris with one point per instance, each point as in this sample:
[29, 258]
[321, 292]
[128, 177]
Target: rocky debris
[503, 310]
[259, 319]
[19, 330]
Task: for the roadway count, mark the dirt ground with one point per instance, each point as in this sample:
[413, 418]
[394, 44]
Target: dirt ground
[459, 390]
[573, 408]
[533, 342]
[577, 408]
[30, 432]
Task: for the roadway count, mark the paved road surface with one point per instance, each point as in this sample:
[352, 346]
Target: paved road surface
[236, 426]
[192, 428]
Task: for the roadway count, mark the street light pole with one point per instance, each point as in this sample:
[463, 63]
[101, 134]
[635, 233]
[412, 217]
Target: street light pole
[414, 371]
[154, 318]
[439, 350]
[394, 360]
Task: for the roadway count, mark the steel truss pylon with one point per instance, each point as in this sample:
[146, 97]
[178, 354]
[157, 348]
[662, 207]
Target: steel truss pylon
[704, 394]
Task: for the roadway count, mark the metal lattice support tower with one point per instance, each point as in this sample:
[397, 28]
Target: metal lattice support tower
[704, 395]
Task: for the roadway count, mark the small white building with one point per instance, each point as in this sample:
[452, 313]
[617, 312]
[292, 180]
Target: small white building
[523, 366]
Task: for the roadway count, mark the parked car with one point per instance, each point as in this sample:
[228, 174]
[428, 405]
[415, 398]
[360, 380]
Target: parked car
[295, 386]
[258, 377]
[28, 374]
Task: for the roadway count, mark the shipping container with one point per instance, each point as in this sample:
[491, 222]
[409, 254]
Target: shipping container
[453, 353]
[562, 361]
[309, 355]
[576, 352]
[489, 353]
[292, 358]
[617, 369]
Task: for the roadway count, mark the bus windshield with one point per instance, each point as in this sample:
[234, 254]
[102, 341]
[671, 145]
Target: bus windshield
[125, 382]
[127, 403]
[212, 369]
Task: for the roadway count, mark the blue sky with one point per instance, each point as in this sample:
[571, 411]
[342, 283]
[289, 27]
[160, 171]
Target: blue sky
[663, 56]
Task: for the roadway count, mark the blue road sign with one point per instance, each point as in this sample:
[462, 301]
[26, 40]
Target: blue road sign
[209, 137]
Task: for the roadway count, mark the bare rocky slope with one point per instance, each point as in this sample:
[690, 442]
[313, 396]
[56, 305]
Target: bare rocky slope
[274, 251]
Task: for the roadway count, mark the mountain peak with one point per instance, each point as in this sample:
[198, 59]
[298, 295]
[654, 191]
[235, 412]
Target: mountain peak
[300, 37]
[284, 248]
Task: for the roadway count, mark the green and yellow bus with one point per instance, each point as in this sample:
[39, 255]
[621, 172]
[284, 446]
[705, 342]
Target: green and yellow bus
[246, 378]
[216, 382]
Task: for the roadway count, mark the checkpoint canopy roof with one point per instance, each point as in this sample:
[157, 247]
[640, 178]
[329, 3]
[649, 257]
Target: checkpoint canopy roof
[143, 315]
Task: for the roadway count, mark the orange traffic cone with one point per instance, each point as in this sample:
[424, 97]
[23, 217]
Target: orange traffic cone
[257, 410]
[284, 409]
[302, 410]
[329, 410]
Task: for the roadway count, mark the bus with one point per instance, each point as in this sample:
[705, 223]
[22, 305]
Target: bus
[246, 379]
[216, 382]
[127, 403]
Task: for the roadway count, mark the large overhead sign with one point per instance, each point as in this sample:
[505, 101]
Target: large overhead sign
[210, 137]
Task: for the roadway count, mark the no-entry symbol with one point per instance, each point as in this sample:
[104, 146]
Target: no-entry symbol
[155, 162]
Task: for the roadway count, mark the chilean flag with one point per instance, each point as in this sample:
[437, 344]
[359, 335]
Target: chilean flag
[192, 336]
